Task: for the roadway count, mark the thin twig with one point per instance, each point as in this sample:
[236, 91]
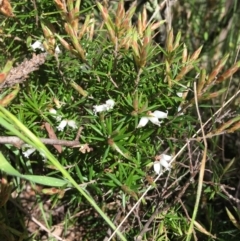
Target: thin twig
[19, 142]
[79, 133]
[202, 169]
[35, 8]
[229, 195]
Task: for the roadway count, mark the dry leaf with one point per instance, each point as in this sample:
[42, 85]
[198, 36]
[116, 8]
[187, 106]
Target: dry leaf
[85, 148]
[52, 135]
[6, 8]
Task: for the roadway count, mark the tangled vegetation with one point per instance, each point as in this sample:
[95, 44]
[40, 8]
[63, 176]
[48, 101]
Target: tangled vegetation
[119, 120]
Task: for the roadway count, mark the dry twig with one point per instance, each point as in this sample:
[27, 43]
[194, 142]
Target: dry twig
[18, 142]
[20, 73]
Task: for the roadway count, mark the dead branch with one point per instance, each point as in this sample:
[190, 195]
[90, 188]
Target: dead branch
[18, 142]
[20, 73]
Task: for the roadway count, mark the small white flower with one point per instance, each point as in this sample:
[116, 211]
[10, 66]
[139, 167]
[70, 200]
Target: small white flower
[104, 107]
[37, 45]
[72, 124]
[163, 163]
[157, 167]
[110, 104]
[64, 123]
[58, 50]
[179, 109]
[180, 94]
[99, 108]
[28, 152]
[153, 117]
[54, 112]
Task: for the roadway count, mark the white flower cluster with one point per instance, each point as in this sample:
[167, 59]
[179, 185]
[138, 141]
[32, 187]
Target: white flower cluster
[63, 123]
[60, 127]
[38, 45]
[153, 117]
[28, 152]
[109, 104]
[164, 162]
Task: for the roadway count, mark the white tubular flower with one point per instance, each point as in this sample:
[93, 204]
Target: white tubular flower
[157, 167]
[164, 162]
[143, 121]
[28, 152]
[110, 104]
[180, 94]
[58, 50]
[37, 45]
[54, 112]
[64, 123]
[72, 124]
[104, 107]
[99, 108]
[153, 117]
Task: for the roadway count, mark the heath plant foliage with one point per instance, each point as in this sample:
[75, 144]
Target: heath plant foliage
[108, 121]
